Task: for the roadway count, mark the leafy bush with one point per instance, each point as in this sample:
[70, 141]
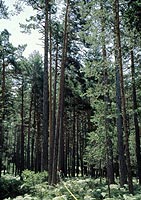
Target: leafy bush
[76, 188]
[25, 197]
[31, 179]
[12, 186]
[9, 186]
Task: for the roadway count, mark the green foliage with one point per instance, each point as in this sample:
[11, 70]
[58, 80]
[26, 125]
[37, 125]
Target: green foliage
[132, 15]
[32, 179]
[82, 189]
[9, 186]
[84, 78]
[3, 10]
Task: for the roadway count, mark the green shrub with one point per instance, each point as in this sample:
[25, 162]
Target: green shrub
[82, 189]
[9, 186]
[31, 179]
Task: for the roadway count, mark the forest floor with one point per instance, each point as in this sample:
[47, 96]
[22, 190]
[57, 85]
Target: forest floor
[34, 187]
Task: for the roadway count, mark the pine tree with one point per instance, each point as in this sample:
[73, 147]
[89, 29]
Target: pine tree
[137, 131]
[58, 131]
[45, 94]
[122, 93]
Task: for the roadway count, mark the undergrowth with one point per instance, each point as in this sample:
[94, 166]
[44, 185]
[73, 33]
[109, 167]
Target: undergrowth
[35, 187]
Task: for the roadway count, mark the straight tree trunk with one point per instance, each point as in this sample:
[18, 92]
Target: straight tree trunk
[68, 153]
[33, 137]
[45, 95]
[51, 138]
[61, 99]
[38, 142]
[2, 112]
[29, 133]
[50, 78]
[73, 144]
[14, 155]
[61, 147]
[136, 123]
[82, 145]
[109, 148]
[22, 128]
[66, 150]
[121, 157]
[77, 145]
[18, 154]
[52, 133]
[84, 141]
[124, 116]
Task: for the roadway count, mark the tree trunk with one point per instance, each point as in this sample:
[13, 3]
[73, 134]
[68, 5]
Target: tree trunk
[45, 95]
[33, 137]
[77, 145]
[52, 134]
[22, 128]
[109, 146]
[121, 86]
[61, 100]
[38, 142]
[61, 148]
[66, 150]
[73, 144]
[137, 132]
[18, 154]
[51, 137]
[121, 157]
[29, 133]
[82, 145]
[2, 112]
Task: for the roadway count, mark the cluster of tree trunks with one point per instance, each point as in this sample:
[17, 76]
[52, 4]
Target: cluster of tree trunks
[54, 136]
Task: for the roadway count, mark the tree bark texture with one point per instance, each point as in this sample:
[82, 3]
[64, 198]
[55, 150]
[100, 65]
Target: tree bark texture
[61, 99]
[52, 133]
[121, 150]
[29, 133]
[22, 128]
[45, 95]
[120, 71]
[136, 123]
[109, 146]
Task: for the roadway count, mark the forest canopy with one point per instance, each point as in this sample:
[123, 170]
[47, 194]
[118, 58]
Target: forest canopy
[74, 111]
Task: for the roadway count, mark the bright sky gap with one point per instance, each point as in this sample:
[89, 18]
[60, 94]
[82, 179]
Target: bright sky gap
[32, 40]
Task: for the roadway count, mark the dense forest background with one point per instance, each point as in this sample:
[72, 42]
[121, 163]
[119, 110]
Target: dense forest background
[77, 110]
